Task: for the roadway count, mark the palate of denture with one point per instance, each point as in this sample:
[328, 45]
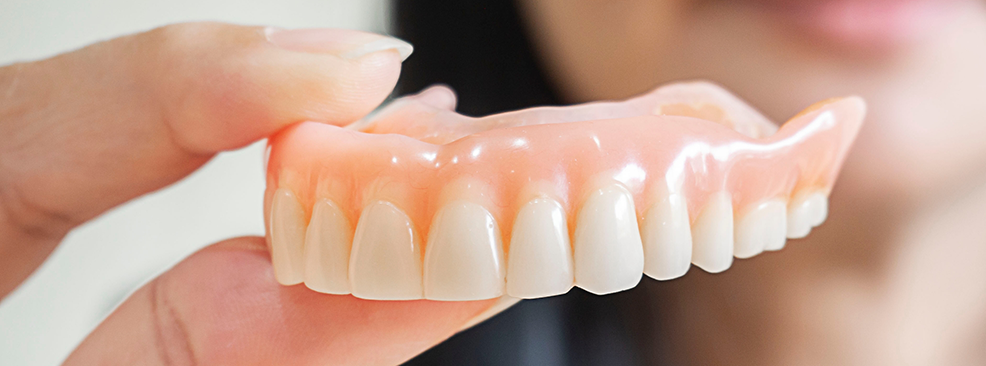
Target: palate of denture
[427, 203]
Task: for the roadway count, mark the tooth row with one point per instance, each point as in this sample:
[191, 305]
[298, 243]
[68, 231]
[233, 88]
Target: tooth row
[464, 257]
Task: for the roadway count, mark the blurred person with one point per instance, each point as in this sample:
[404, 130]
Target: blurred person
[898, 273]
[895, 276]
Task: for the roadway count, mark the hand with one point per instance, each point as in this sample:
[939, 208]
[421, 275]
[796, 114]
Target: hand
[88, 130]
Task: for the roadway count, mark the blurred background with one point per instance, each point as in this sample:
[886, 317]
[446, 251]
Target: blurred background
[897, 275]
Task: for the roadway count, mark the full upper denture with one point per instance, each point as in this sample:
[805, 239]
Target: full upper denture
[418, 201]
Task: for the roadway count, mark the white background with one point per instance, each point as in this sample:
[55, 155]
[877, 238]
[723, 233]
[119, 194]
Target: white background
[106, 259]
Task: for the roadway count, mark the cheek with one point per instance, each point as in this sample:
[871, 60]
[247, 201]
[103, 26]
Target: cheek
[915, 151]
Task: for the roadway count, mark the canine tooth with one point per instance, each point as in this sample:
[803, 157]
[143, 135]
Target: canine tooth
[287, 235]
[464, 256]
[327, 244]
[712, 234]
[762, 228]
[806, 211]
[609, 255]
[540, 257]
[386, 257]
[667, 238]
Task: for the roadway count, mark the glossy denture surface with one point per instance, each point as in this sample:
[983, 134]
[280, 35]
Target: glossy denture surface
[605, 192]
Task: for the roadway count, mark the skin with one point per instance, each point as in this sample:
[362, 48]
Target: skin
[88, 130]
[896, 276]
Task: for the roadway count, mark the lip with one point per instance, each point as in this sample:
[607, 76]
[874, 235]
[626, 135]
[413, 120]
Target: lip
[865, 24]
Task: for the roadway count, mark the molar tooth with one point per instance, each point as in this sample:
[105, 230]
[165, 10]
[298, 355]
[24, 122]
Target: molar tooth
[806, 211]
[712, 234]
[287, 235]
[667, 238]
[540, 257]
[327, 244]
[762, 228]
[464, 257]
[386, 257]
[819, 205]
[609, 255]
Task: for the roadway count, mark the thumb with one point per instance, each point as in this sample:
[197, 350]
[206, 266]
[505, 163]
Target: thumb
[90, 129]
[224, 86]
[223, 306]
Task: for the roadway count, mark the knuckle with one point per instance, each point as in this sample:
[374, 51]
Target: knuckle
[180, 35]
[30, 218]
[171, 337]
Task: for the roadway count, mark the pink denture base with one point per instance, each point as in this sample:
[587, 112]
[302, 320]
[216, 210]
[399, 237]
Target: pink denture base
[651, 155]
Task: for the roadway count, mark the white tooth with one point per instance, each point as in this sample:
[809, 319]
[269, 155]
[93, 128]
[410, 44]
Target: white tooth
[609, 255]
[712, 234]
[819, 208]
[464, 256]
[540, 258]
[386, 260]
[327, 245]
[667, 238]
[762, 228]
[287, 235]
[805, 211]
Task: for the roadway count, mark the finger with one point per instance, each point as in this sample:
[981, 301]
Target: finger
[438, 96]
[88, 130]
[268, 78]
[223, 306]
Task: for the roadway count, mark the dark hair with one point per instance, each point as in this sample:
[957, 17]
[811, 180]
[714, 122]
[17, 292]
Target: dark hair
[481, 49]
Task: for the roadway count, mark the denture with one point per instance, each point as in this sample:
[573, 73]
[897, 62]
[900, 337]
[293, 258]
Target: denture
[419, 202]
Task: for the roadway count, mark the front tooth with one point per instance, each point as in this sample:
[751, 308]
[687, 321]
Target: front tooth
[464, 257]
[327, 245]
[609, 255]
[806, 211]
[762, 228]
[540, 258]
[667, 238]
[386, 257]
[287, 235]
[712, 235]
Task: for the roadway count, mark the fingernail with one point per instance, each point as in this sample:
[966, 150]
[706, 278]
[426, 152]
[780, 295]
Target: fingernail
[385, 43]
[345, 43]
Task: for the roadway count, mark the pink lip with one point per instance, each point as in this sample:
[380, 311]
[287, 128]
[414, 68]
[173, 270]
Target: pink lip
[865, 23]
